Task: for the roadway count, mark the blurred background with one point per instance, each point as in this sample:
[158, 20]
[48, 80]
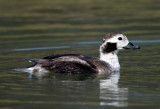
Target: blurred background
[36, 28]
[49, 23]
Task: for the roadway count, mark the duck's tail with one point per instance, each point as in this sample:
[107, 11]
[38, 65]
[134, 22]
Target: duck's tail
[36, 67]
[30, 68]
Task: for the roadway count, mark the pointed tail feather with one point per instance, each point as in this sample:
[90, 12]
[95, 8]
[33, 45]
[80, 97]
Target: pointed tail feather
[36, 66]
[22, 69]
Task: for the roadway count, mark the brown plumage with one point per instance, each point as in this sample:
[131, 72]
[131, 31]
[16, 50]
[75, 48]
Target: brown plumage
[110, 35]
[71, 63]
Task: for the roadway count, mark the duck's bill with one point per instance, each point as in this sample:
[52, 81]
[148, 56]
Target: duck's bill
[131, 46]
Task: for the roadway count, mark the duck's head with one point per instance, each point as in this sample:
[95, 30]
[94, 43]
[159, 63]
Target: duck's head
[116, 41]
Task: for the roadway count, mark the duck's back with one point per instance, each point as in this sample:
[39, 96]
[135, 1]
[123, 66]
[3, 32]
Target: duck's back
[70, 63]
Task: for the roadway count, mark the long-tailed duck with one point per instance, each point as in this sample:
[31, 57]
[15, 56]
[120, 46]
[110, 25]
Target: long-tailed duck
[76, 64]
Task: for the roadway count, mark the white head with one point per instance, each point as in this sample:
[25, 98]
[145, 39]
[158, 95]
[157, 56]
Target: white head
[113, 42]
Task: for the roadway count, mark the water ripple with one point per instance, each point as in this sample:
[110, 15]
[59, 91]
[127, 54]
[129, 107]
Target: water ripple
[134, 41]
[81, 43]
[146, 41]
[40, 48]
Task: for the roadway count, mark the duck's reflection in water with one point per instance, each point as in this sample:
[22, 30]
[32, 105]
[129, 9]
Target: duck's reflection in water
[111, 94]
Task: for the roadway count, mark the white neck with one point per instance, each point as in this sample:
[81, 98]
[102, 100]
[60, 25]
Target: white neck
[111, 59]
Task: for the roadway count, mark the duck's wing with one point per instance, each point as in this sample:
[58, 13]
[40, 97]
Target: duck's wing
[64, 63]
[74, 67]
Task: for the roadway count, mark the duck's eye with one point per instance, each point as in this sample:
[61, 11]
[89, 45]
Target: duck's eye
[120, 38]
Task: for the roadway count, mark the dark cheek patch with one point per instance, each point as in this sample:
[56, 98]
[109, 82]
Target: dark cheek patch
[109, 47]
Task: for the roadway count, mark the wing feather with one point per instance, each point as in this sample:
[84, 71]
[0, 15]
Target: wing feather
[67, 63]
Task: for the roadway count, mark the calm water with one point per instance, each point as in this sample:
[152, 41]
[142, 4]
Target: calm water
[34, 29]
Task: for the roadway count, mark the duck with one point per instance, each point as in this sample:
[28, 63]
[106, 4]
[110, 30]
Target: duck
[79, 64]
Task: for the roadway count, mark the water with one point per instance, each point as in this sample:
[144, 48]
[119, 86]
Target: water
[34, 29]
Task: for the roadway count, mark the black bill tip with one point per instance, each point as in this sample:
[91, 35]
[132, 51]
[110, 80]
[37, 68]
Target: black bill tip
[131, 46]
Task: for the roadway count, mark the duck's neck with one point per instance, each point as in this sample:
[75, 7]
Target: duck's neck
[112, 59]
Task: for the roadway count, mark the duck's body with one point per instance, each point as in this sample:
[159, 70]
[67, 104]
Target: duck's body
[75, 63]
[70, 63]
